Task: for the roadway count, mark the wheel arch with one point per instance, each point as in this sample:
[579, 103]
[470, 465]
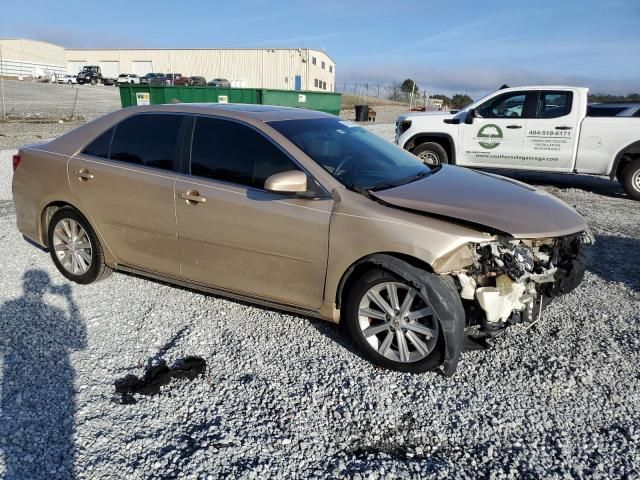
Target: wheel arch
[440, 291]
[623, 158]
[443, 139]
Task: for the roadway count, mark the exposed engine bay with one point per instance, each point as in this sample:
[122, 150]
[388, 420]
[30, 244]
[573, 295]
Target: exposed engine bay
[510, 281]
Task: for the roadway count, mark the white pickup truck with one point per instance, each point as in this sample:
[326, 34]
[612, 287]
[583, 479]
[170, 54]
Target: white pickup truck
[542, 128]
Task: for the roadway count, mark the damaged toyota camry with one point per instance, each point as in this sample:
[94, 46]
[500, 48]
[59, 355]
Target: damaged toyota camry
[301, 211]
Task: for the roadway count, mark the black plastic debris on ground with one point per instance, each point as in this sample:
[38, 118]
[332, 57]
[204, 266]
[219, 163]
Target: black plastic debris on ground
[155, 376]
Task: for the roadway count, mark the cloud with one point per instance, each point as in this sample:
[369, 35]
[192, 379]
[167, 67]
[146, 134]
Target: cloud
[477, 79]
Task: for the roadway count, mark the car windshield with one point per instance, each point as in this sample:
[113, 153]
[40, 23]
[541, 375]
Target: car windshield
[353, 155]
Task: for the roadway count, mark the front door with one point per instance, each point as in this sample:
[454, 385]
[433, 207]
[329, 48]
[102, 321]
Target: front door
[124, 182]
[496, 136]
[236, 236]
[298, 82]
[552, 133]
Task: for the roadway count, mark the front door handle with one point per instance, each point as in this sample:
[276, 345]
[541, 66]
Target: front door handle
[514, 126]
[192, 197]
[564, 127]
[83, 175]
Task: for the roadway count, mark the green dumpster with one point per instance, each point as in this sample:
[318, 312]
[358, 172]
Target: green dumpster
[156, 95]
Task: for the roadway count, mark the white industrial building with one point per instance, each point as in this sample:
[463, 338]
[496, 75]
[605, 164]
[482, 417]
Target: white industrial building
[279, 68]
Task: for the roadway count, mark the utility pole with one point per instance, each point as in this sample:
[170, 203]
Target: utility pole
[4, 112]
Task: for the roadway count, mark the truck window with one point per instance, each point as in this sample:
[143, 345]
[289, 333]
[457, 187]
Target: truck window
[554, 104]
[504, 106]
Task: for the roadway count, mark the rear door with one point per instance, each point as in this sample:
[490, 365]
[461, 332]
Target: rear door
[496, 136]
[239, 237]
[124, 181]
[552, 132]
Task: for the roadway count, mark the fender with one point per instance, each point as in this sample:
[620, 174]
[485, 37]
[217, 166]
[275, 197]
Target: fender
[409, 144]
[634, 148]
[442, 295]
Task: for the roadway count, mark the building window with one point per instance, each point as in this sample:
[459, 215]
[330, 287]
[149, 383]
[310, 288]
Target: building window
[313, 60]
[330, 68]
[315, 82]
[322, 65]
[286, 79]
[324, 85]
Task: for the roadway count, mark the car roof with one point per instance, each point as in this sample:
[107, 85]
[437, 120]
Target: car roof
[265, 113]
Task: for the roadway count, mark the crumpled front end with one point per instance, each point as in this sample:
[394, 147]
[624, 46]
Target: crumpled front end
[508, 281]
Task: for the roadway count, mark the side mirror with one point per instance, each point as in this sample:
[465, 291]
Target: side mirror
[291, 181]
[471, 114]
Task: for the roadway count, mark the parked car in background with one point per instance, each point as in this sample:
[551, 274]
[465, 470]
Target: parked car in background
[302, 211]
[130, 78]
[68, 79]
[219, 82]
[146, 79]
[614, 109]
[197, 81]
[191, 81]
[541, 128]
[160, 79]
[172, 77]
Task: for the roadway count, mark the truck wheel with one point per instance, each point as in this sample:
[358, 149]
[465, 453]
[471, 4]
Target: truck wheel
[93, 81]
[431, 153]
[392, 324]
[631, 179]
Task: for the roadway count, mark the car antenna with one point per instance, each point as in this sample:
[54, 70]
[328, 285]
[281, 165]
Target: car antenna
[503, 86]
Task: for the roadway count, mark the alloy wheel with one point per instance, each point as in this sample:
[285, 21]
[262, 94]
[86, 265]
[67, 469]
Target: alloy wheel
[72, 246]
[397, 322]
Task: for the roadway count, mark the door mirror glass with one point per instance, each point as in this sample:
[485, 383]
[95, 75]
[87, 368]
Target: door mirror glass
[291, 181]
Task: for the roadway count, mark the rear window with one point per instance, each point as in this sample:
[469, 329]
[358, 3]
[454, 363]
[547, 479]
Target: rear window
[554, 104]
[150, 140]
[100, 146]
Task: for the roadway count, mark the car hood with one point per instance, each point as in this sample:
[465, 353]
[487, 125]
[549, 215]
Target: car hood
[488, 200]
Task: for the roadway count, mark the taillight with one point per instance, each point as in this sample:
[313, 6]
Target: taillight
[16, 161]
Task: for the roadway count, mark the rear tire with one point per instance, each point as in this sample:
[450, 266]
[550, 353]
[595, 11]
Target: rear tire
[409, 341]
[431, 153]
[75, 249]
[630, 179]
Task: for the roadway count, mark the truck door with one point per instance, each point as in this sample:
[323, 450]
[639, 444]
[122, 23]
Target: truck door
[552, 131]
[496, 136]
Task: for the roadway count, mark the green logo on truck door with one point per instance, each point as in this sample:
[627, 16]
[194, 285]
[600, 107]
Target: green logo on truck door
[489, 136]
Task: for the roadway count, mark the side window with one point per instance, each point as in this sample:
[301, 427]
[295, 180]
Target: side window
[554, 104]
[150, 140]
[100, 146]
[504, 106]
[637, 114]
[232, 152]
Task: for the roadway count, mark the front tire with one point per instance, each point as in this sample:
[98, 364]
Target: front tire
[431, 153]
[630, 179]
[75, 249]
[392, 324]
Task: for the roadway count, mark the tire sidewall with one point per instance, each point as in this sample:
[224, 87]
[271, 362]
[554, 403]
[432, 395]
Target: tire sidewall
[627, 179]
[96, 253]
[352, 305]
[436, 148]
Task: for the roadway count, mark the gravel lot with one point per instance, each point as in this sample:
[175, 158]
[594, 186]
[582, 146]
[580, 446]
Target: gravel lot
[289, 397]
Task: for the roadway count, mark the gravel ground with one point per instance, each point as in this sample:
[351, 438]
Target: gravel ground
[289, 397]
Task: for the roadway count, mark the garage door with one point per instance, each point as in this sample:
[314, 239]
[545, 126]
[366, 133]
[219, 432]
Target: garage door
[110, 69]
[74, 66]
[142, 67]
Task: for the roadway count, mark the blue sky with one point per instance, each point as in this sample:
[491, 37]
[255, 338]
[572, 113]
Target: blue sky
[447, 46]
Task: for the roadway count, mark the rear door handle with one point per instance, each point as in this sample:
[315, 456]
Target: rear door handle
[564, 127]
[514, 126]
[83, 175]
[192, 197]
